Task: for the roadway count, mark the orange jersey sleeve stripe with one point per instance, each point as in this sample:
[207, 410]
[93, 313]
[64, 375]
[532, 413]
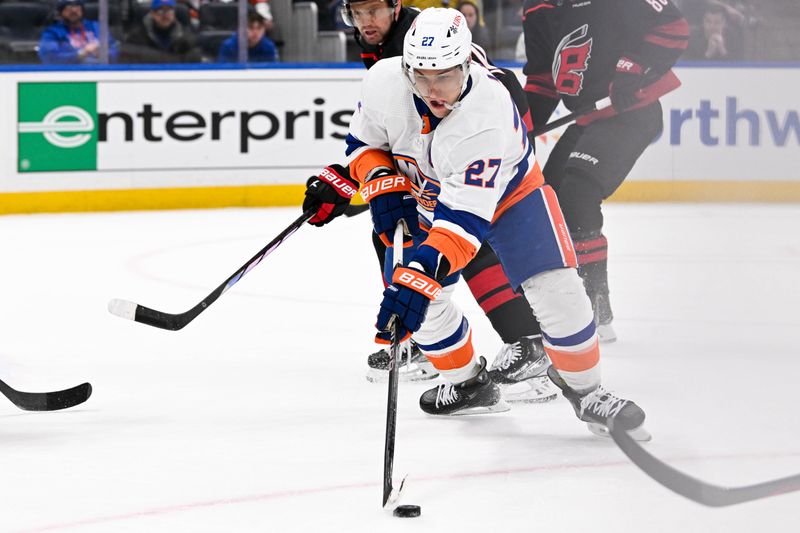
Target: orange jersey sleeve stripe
[575, 362]
[458, 358]
[560, 227]
[530, 183]
[367, 161]
[455, 248]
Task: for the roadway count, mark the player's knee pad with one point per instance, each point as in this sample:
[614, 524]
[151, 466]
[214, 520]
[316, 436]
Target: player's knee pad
[580, 197]
[442, 319]
[559, 300]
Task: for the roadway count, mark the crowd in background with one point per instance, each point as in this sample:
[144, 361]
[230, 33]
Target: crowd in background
[191, 31]
[152, 31]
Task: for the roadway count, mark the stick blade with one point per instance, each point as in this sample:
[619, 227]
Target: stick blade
[695, 489]
[48, 401]
[122, 308]
[69, 397]
[392, 495]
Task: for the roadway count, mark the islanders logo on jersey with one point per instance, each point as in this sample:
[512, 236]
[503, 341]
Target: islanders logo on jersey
[571, 61]
[425, 190]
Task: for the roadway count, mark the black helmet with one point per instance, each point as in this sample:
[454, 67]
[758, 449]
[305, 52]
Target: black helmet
[347, 14]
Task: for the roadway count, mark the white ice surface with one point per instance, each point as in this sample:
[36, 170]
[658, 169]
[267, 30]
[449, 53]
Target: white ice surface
[257, 416]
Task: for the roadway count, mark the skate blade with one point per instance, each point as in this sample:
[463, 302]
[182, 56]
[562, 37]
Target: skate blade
[500, 407]
[525, 392]
[639, 434]
[415, 374]
[606, 333]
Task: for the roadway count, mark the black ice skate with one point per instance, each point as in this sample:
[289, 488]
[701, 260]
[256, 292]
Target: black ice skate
[414, 366]
[473, 396]
[598, 406]
[520, 370]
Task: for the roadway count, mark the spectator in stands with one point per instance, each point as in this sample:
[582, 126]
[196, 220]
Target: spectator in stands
[160, 38]
[72, 39]
[719, 38]
[263, 8]
[260, 49]
[473, 13]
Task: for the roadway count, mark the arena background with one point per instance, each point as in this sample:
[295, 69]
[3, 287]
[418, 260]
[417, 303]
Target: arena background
[157, 138]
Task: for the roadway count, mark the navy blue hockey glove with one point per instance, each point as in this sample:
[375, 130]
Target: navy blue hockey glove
[329, 194]
[406, 299]
[629, 79]
[390, 201]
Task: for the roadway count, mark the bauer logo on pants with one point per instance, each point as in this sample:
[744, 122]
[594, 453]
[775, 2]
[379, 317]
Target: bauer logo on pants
[57, 126]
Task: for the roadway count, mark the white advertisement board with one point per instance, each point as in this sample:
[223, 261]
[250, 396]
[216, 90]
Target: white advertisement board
[194, 128]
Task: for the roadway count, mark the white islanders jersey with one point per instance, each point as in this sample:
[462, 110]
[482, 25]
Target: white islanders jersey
[465, 169]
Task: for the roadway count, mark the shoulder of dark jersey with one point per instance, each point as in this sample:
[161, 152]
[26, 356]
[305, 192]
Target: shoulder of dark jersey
[539, 6]
[394, 41]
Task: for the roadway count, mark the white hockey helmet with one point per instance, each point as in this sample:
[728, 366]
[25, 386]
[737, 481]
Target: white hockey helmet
[438, 39]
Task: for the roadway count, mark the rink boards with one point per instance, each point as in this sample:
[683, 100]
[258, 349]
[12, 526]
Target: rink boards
[87, 140]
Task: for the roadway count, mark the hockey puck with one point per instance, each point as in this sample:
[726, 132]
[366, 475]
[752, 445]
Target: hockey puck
[407, 511]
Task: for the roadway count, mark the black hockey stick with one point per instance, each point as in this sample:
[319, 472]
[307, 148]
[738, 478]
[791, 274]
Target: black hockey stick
[389, 494]
[47, 401]
[355, 210]
[174, 322]
[667, 83]
[572, 117]
[694, 489]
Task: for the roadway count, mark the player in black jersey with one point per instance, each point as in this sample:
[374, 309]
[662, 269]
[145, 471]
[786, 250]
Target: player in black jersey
[379, 29]
[580, 52]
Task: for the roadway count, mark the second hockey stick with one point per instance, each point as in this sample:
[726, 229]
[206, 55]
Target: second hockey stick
[667, 83]
[174, 322]
[47, 401]
[695, 489]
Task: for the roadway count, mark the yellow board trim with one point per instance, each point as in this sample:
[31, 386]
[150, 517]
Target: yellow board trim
[708, 191]
[146, 199]
[292, 195]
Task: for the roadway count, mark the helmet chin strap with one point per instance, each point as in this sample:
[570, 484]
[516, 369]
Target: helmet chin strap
[452, 107]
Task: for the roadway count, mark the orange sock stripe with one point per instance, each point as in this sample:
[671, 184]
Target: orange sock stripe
[560, 226]
[367, 161]
[530, 182]
[575, 362]
[455, 248]
[458, 358]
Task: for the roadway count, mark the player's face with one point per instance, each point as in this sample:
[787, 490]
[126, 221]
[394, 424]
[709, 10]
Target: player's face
[439, 87]
[373, 19]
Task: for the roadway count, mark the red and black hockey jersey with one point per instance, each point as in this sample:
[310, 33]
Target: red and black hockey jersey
[573, 46]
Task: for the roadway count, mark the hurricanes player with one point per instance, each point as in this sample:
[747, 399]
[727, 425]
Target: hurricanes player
[380, 26]
[579, 52]
[435, 124]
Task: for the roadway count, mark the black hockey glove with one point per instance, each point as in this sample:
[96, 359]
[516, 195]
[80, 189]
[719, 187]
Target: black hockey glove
[630, 78]
[329, 193]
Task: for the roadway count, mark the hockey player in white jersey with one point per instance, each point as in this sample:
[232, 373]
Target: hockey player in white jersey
[432, 125]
